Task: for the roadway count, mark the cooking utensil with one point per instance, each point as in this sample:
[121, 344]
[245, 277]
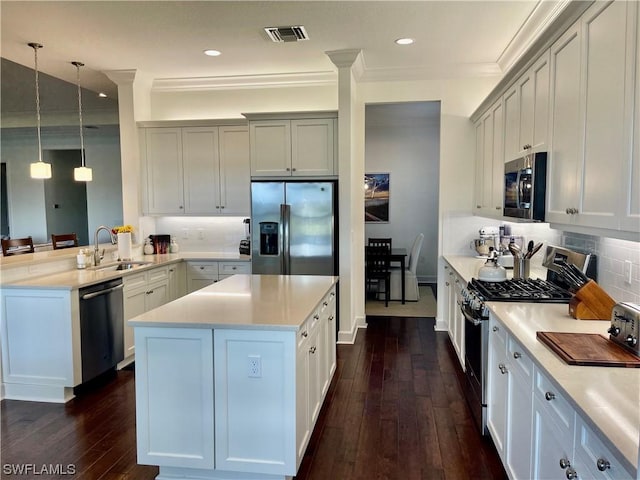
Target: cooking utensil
[535, 250]
[529, 248]
[515, 250]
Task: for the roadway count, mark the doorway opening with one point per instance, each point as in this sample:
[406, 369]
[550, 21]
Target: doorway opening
[65, 198]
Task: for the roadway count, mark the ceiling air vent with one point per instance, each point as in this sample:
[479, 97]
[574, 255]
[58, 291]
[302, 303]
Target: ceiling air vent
[287, 34]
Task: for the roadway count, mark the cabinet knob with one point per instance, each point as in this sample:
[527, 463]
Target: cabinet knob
[550, 396]
[316, 316]
[495, 328]
[478, 206]
[222, 207]
[180, 207]
[502, 368]
[446, 283]
[312, 349]
[325, 303]
[305, 334]
[517, 355]
[603, 464]
[201, 268]
[288, 169]
[571, 474]
[330, 318]
[564, 463]
[498, 207]
[293, 169]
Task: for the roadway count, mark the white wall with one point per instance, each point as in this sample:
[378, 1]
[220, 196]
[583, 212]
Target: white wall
[203, 234]
[233, 103]
[26, 195]
[403, 139]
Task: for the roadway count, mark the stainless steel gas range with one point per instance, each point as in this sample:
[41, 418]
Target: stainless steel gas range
[476, 332]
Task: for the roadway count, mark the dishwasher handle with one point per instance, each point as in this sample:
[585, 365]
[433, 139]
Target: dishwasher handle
[88, 296]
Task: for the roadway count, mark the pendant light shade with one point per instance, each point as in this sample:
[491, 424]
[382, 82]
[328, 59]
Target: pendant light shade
[38, 169]
[83, 173]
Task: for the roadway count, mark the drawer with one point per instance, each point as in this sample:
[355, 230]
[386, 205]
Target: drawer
[233, 268]
[594, 457]
[560, 411]
[157, 274]
[203, 269]
[134, 281]
[521, 363]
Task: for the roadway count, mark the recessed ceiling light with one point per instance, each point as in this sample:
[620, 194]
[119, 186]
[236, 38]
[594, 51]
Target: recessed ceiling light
[102, 95]
[212, 53]
[404, 41]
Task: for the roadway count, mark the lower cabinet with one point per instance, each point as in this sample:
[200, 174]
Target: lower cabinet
[203, 273]
[214, 401]
[537, 432]
[455, 319]
[143, 291]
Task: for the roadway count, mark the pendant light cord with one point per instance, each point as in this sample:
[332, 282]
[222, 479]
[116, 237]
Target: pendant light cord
[78, 65]
[35, 47]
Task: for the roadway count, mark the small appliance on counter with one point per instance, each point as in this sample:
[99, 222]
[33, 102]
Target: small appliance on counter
[489, 237]
[625, 326]
[491, 271]
[245, 244]
[161, 243]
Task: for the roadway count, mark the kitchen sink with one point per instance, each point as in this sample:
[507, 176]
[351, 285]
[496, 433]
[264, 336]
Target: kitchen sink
[123, 265]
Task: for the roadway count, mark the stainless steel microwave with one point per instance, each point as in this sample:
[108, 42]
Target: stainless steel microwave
[525, 185]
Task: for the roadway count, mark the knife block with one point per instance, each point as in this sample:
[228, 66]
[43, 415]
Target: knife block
[591, 302]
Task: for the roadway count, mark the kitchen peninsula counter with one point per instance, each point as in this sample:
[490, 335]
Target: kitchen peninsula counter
[230, 379]
[607, 398]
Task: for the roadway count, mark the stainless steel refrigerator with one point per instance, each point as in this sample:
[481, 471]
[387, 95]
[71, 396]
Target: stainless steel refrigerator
[294, 228]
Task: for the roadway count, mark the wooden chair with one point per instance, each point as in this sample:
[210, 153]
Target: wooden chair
[412, 292]
[65, 240]
[377, 260]
[17, 246]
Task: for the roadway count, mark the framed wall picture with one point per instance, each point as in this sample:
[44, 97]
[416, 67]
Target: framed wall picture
[376, 197]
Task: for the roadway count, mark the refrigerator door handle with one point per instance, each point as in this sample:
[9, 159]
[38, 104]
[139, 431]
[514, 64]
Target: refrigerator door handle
[285, 258]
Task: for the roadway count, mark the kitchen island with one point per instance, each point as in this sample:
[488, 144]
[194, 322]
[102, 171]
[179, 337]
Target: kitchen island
[230, 378]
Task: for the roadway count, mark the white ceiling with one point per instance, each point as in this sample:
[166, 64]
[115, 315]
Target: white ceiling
[165, 39]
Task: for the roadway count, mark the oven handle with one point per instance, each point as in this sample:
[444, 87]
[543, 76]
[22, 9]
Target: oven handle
[468, 316]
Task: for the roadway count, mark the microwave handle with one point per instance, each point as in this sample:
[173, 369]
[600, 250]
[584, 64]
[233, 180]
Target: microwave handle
[518, 188]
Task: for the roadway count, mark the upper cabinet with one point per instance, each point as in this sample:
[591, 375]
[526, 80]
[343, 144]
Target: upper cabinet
[526, 106]
[591, 119]
[196, 170]
[490, 161]
[293, 147]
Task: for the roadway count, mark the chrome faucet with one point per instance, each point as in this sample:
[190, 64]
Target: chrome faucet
[96, 251]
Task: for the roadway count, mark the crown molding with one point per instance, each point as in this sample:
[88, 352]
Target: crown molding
[297, 79]
[431, 72]
[121, 77]
[536, 23]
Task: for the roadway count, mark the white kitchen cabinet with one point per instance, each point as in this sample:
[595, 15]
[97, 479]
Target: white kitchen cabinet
[177, 281]
[293, 147]
[490, 161]
[591, 118]
[526, 111]
[196, 170]
[454, 316]
[200, 274]
[226, 269]
[498, 384]
[143, 291]
[328, 311]
[174, 369]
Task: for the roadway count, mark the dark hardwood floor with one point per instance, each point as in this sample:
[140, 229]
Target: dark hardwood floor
[395, 410]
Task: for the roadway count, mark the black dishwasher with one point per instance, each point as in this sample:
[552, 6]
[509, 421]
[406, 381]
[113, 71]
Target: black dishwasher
[101, 327]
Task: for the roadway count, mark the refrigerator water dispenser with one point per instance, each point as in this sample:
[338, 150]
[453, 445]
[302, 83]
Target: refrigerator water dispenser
[269, 238]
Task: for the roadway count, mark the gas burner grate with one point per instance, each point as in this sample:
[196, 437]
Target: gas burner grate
[529, 290]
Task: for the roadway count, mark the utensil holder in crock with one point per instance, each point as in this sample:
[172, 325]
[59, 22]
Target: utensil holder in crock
[521, 268]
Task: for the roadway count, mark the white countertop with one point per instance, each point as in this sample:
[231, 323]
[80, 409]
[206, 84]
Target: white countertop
[74, 278]
[244, 301]
[607, 397]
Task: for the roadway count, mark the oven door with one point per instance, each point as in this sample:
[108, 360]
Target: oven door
[476, 335]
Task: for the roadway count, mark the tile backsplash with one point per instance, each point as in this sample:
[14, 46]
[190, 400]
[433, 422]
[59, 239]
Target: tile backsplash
[612, 254]
[203, 234]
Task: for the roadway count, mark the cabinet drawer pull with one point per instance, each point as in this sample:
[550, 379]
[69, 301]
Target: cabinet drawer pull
[478, 206]
[498, 207]
[517, 355]
[550, 396]
[603, 464]
[571, 473]
[149, 292]
[564, 463]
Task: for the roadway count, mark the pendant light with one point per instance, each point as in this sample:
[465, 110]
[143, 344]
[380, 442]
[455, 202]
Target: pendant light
[38, 169]
[82, 173]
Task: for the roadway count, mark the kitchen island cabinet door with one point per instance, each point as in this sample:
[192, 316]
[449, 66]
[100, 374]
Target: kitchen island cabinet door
[174, 370]
[255, 401]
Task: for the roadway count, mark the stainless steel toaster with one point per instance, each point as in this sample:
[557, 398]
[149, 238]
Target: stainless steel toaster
[625, 326]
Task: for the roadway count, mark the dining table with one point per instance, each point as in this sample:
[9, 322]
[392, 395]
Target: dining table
[399, 255]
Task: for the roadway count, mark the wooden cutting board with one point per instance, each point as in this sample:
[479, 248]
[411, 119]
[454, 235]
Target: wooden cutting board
[588, 349]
